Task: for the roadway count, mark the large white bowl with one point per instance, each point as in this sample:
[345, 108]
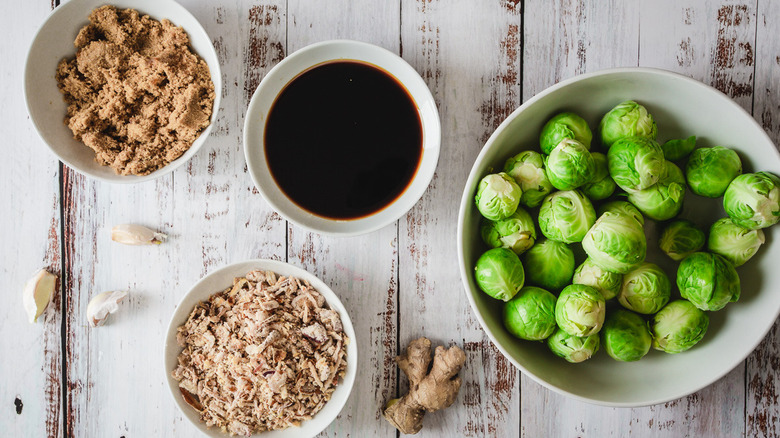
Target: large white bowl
[54, 41]
[218, 281]
[681, 107]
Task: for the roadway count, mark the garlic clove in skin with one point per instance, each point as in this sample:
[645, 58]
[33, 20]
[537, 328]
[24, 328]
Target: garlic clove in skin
[102, 305]
[131, 234]
[37, 293]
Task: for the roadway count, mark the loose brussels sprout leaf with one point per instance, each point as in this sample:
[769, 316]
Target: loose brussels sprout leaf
[607, 283]
[625, 336]
[664, 199]
[645, 289]
[527, 169]
[622, 207]
[530, 314]
[517, 232]
[562, 126]
[499, 273]
[735, 243]
[678, 327]
[566, 216]
[580, 310]
[635, 163]
[678, 149]
[498, 196]
[569, 165]
[708, 281]
[680, 239]
[616, 243]
[628, 119]
[710, 170]
[574, 349]
[752, 200]
[602, 186]
[549, 264]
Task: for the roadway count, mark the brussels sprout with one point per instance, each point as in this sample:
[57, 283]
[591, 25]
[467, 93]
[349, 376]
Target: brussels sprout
[680, 239]
[708, 281]
[678, 327]
[580, 310]
[664, 199]
[645, 289]
[530, 314]
[569, 165]
[574, 349]
[734, 243]
[607, 283]
[710, 170]
[562, 126]
[616, 243]
[566, 216]
[625, 336]
[499, 273]
[678, 149]
[517, 232]
[498, 196]
[549, 264]
[752, 200]
[635, 163]
[622, 207]
[527, 169]
[602, 186]
[628, 119]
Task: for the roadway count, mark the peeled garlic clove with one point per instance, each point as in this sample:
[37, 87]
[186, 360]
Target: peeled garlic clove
[131, 234]
[37, 293]
[101, 305]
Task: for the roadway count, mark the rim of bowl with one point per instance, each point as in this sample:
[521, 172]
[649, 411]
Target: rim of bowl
[277, 267]
[216, 78]
[467, 196]
[254, 125]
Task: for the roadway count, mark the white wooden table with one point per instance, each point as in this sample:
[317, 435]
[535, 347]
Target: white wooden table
[481, 59]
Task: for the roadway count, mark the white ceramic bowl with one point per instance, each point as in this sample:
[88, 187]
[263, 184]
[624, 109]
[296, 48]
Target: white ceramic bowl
[284, 72]
[54, 41]
[218, 281]
[681, 107]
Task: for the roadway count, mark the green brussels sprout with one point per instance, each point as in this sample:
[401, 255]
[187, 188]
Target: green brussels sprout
[678, 327]
[664, 199]
[622, 207]
[607, 283]
[710, 170]
[580, 310]
[734, 243]
[517, 232]
[627, 119]
[752, 200]
[566, 216]
[530, 314]
[616, 243]
[549, 264]
[499, 273]
[563, 126]
[645, 289]
[498, 196]
[680, 239]
[625, 336]
[574, 349]
[708, 281]
[678, 149]
[602, 186]
[635, 163]
[569, 165]
[527, 169]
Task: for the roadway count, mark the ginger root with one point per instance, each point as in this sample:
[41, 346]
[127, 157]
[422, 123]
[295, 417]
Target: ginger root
[428, 391]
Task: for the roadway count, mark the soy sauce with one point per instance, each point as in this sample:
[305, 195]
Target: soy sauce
[343, 139]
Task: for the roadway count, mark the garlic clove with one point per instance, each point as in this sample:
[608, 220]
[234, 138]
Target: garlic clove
[131, 234]
[101, 305]
[37, 293]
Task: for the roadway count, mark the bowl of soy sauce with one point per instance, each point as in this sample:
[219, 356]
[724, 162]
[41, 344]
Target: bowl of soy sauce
[342, 137]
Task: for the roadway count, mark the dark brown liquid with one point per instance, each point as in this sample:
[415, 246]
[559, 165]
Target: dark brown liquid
[343, 139]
